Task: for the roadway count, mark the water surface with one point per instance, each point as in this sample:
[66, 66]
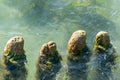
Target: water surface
[40, 21]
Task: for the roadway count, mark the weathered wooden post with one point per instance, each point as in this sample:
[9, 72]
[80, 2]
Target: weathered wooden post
[14, 59]
[77, 56]
[104, 56]
[48, 63]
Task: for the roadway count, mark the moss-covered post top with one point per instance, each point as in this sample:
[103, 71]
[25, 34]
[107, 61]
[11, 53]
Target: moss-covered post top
[49, 54]
[102, 39]
[14, 45]
[13, 52]
[52, 46]
[48, 48]
[77, 41]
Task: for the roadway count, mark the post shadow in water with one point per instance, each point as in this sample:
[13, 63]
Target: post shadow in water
[104, 56]
[14, 59]
[49, 62]
[78, 56]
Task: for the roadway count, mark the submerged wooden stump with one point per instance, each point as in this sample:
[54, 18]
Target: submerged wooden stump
[14, 59]
[103, 56]
[77, 56]
[48, 62]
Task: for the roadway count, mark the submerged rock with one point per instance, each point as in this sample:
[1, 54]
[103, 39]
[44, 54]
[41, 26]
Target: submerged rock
[14, 59]
[48, 62]
[104, 56]
[77, 56]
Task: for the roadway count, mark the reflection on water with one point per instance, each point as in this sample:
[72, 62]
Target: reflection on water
[40, 21]
[103, 64]
[77, 69]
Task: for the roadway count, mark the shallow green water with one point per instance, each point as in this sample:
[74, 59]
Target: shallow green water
[40, 21]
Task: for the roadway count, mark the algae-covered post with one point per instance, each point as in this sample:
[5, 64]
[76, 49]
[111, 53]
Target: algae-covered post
[104, 56]
[14, 59]
[49, 61]
[102, 41]
[77, 56]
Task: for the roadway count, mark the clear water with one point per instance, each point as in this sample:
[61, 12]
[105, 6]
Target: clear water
[40, 21]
